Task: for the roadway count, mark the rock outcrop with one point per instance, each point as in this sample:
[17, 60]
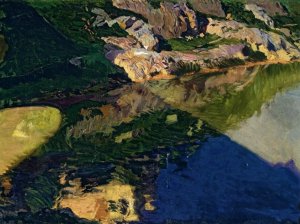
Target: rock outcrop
[138, 29]
[205, 57]
[260, 14]
[101, 17]
[141, 65]
[272, 8]
[208, 7]
[125, 43]
[138, 53]
[273, 45]
[169, 21]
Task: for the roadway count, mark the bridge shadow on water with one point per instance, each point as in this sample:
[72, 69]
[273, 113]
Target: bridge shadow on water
[223, 182]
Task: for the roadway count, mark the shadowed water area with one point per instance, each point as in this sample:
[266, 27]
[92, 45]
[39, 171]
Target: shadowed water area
[219, 148]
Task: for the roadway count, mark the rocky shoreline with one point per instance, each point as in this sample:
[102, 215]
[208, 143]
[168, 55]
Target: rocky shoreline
[143, 57]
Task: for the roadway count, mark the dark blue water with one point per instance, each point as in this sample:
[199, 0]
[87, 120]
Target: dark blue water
[224, 182]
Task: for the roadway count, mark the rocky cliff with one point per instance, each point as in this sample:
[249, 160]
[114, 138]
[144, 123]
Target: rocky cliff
[169, 21]
[144, 54]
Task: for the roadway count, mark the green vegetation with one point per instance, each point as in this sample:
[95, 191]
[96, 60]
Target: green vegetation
[292, 6]
[230, 62]
[150, 131]
[39, 55]
[227, 111]
[238, 12]
[187, 67]
[33, 44]
[41, 195]
[290, 22]
[183, 44]
[3, 48]
[43, 36]
[2, 14]
[255, 56]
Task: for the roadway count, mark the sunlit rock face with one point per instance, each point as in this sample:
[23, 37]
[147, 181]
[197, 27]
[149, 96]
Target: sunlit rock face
[142, 65]
[274, 133]
[24, 129]
[273, 45]
[110, 203]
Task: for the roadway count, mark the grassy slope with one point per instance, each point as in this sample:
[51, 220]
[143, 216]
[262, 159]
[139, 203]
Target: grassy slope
[41, 49]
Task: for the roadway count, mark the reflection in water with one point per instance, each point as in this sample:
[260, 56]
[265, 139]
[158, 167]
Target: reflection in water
[228, 100]
[225, 183]
[225, 100]
[223, 179]
[274, 133]
[23, 130]
[113, 202]
[143, 130]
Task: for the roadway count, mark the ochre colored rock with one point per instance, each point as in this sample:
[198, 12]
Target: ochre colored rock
[141, 65]
[110, 203]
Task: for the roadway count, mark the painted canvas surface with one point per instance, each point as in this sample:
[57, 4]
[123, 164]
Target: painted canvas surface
[150, 111]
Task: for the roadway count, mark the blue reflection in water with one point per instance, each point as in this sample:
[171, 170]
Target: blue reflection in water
[225, 181]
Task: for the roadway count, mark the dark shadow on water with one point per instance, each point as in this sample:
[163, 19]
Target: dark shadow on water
[225, 183]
